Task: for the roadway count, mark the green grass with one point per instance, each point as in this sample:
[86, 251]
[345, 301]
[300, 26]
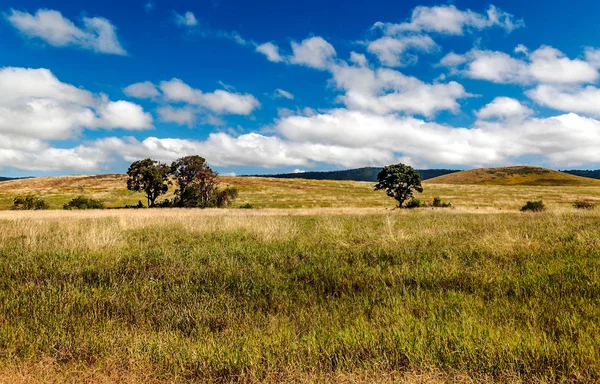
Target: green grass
[238, 295]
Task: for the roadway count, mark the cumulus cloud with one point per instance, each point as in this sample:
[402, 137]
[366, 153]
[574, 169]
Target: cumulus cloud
[394, 52]
[585, 100]
[96, 33]
[182, 116]
[280, 93]
[544, 65]
[504, 108]
[447, 19]
[145, 90]
[271, 51]
[385, 90]
[187, 19]
[314, 52]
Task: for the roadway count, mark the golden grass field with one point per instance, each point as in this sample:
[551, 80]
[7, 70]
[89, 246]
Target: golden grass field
[324, 282]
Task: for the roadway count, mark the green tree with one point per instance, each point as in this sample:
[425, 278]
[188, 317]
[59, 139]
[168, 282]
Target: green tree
[399, 181]
[29, 202]
[149, 176]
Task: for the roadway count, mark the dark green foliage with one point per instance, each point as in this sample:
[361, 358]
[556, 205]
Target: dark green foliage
[246, 206]
[137, 206]
[534, 206]
[359, 174]
[149, 176]
[438, 203]
[399, 182]
[414, 203]
[82, 202]
[591, 174]
[29, 202]
[582, 204]
[198, 185]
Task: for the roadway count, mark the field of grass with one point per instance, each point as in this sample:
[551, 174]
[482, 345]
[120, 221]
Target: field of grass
[323, 283]
[327, 295]
[300, 193]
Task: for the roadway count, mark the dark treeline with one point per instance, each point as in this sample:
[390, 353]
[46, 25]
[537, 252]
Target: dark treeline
[359, 174]
[584, 173]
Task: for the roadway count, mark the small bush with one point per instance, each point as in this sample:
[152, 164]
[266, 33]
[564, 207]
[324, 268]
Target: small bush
[137, 206]
[534, 206]
[438, 203]
[582, 204]
[82, 202]
[29, 202]
[246, 206]
[414, 203]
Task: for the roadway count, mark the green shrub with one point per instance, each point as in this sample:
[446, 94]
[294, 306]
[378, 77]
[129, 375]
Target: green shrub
[414, 203]
[246, 206]
[29, 202]
[137, 206]
[82, 202]
[534, 206]
[438, 203]
[582, 204]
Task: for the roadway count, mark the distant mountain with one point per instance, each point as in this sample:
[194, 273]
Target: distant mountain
[591, 174]
[359, 174]
[6, 178]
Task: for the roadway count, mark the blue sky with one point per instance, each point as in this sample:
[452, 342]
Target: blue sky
[268, 87]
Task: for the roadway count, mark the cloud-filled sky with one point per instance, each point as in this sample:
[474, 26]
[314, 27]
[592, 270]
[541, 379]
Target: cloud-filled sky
[267, 87]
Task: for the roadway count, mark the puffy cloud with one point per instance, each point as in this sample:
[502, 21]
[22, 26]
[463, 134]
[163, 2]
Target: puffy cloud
[279, 93]
[145, 90]
[181, 116]
[314, 52]
[447, 19]
[219, 101]
[385, 90]
[504, 108]
[96, 33]
[585, 100]
[393, 52]
[271, 51]
[186, 20]
[358, 59]
[34, 103]
[545, 65]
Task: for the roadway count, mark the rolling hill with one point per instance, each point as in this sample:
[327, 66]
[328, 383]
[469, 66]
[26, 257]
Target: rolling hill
[358, 174]
[520, 175]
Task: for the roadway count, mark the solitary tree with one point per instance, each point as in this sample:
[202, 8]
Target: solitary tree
[399, 181]
[149, 176]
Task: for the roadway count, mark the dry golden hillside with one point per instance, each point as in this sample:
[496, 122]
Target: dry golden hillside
[521, 175]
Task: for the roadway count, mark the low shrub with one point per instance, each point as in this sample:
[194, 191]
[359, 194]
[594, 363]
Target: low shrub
[137, 206]
[534, 206]
[246, 206]
[414, 203]
[438, 203]
[82, 202]
[582, 204]
[29, 202]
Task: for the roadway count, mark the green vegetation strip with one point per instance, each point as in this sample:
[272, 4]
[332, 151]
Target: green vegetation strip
[241, 298]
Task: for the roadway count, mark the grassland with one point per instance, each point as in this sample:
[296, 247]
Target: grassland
[334, 287]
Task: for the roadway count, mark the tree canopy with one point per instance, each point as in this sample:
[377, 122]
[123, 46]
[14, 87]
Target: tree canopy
[149, 176]
[399, 182]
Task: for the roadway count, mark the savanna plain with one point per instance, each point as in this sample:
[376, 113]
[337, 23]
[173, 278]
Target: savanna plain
[321, 281]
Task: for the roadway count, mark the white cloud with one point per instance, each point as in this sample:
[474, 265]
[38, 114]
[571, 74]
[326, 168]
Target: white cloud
[96, 33]
[393, 52]
[145, 90]
[185, 115]
[358, 59]
[504, 108]
[385, 90]
[279, 93]
[544, 65]
[219, 101]
[34, 103]
[585, 100]
[447, 19]
[186, 20]
[314, 52]
[271, 51]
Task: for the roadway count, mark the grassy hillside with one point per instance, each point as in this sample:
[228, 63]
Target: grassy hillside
[521, 175]
[300, 193]
[359, 174]
[277, 296]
